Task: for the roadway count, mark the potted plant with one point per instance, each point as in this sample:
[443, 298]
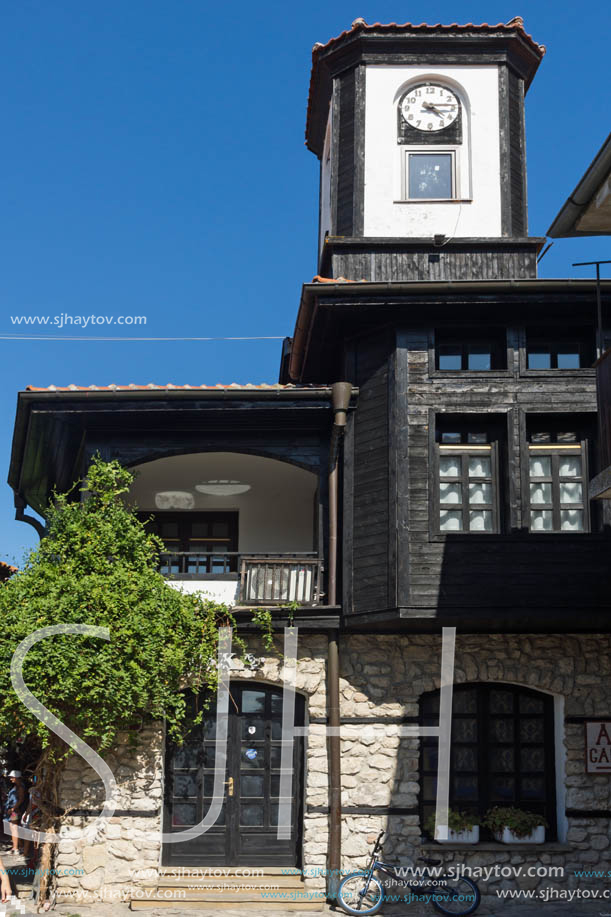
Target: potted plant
[514, 826]
[463, 828]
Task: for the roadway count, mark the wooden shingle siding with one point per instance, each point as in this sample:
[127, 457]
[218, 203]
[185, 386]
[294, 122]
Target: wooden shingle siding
[346, 155]
[517, 155]
[445, 264]
[370, 502]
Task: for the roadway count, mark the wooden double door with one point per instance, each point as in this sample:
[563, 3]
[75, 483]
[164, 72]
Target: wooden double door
[245, 833]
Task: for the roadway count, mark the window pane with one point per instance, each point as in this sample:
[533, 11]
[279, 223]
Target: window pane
[450, 356]
[479, 358]
[540, 466]
[571, 492]
[540, 493]
[533, 788]
[541, 437]
[480, 438]
[541, 520]
[501, 701]
[482, 493]
[571, 520]
[449, 466]
[569, 466]
[450, 493]
[252, 816]
[450, 438]
[568, 358]
[501, 730]
[539, 358]
[430, 175]
[450, 521]
[502, 758]
[532, 730]
[480, 466]
[480, 520]
[566, 437]
[502, 789]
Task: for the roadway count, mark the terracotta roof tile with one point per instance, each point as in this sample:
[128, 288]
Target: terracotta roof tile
[169, 386]
[359, 25]
[7, 570]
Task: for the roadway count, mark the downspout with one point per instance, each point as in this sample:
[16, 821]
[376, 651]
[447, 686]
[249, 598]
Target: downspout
[341, 392]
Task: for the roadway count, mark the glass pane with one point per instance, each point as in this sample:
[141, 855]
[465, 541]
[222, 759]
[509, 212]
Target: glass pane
[479, 358]
[501, 730]
[571, 520]
[569, 466]
[451, 439]
[502, 758]
[531, 730]
[541, 520]
[430, 175]
[571, 492]
[449, 466]
[540, 466]
[253, 702]
[209, 728]
[464, 758]
[277, 729]
[188, 756]
[480, 466]
[502, 789]
[480, 520]
[220, 529]
[480, 493]
[465, 701]
[477, 438]
[207, 803]
[540, 437]
[450, 356]
[251, 816]
[501, 702]
[429, 788]
[532, 758]
[530, 704]
[183, 814]
[253, 728]
[209, 784]
[276, 705]
[464, 730]
[568, 358]
[430, 758]
[566, 437]
[533, 788]
[251, 785]
[450, 493]
[168, 530]
[465, 787]
[539, 358]
[252, 757]
[541, 493]
[199, 530]
[276, 753]
[185, 785]
[450, 521]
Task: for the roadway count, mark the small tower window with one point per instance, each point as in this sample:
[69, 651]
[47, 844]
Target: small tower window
[430, 175]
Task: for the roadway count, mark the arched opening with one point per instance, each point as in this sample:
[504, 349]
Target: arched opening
[246, 831]
[243, 528]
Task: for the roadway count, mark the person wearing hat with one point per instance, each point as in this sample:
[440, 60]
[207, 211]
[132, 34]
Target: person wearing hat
[14, 806]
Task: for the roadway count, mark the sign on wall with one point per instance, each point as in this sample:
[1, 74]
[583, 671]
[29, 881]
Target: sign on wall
[598, 748]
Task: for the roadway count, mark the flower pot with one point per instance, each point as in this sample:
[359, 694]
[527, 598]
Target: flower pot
[461, 837]
[536, 836]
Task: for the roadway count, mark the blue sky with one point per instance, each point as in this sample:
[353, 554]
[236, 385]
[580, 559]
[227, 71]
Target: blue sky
[154, 164]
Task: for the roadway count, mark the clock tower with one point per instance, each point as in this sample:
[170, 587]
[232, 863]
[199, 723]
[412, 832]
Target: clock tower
[420, 134]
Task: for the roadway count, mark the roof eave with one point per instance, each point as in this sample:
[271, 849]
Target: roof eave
[599, 170]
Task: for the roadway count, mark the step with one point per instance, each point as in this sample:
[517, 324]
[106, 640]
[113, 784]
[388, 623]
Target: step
[206, 902]
[212, 882]
[224, 871]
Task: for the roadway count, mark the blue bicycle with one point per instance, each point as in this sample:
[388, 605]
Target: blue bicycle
[363, 893]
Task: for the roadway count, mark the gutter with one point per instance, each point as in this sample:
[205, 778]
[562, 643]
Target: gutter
[574, 206]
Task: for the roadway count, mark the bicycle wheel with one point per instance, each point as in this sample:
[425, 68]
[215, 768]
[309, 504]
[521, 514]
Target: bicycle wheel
[459, 897]
[354, 896]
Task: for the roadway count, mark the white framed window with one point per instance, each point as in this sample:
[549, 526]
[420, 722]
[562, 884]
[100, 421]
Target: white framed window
[430, 174]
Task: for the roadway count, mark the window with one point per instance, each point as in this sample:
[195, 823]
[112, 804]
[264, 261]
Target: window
[431, 176]
[197, 543]
[502, 751]
[466, 485]
[574, 350]
[466, 350]
[557, 477]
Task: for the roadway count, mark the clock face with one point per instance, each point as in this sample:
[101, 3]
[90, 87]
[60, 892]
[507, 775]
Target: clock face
[430, 107]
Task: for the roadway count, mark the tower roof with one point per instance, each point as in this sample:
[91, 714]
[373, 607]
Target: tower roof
[375, 38]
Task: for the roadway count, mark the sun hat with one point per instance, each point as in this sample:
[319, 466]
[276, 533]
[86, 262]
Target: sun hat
[15, 774]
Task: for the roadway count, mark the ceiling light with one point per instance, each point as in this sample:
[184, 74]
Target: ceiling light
[174, 499]
[222, 488]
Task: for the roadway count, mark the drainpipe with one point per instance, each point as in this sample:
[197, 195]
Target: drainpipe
[341, 392]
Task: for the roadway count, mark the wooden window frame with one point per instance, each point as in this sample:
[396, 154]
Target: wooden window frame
[450, 150]
[465, 341]
[466, 451]
[483, 744]
[185, 522]
[555, 451]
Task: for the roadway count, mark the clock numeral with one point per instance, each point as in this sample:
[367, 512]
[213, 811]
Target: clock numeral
[418, 123]
[410, 117]
[417, 92]
[430, 90]
[429, 126]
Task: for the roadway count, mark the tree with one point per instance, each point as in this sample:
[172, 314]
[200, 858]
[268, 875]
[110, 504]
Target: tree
[98, 565]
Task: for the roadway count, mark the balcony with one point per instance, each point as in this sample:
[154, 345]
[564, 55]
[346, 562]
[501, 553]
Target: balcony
[238, 528]
[267, 579]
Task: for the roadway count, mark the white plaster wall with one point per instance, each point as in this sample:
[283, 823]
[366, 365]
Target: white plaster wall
[385, 214]
[325, 186]
[225, 591]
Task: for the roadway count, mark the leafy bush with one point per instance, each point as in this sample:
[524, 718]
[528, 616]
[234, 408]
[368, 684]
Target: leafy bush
[519, 822]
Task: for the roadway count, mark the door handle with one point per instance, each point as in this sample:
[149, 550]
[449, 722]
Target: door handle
[229, 785]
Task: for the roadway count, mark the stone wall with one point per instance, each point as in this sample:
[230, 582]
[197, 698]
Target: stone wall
[381, 676]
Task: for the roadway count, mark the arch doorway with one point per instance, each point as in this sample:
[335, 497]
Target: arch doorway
[246, 831]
